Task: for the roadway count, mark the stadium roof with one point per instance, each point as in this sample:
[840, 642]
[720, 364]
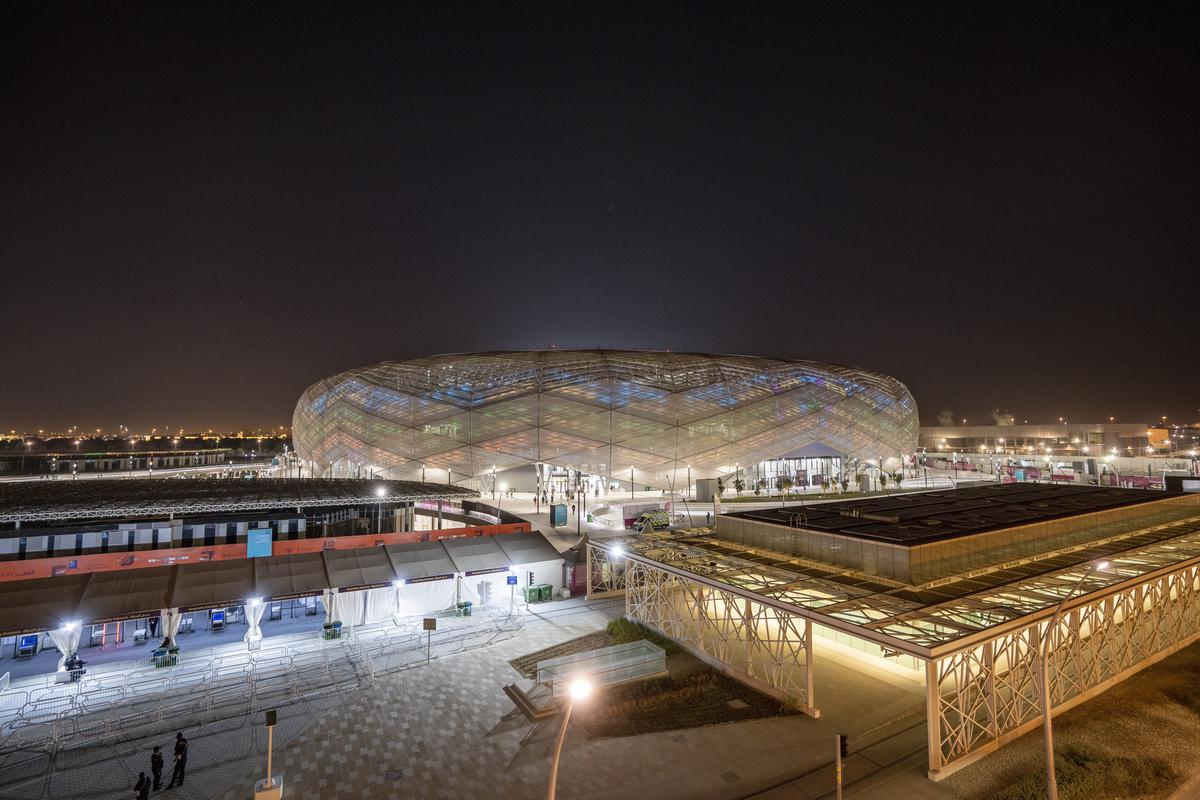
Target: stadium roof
[107, 499]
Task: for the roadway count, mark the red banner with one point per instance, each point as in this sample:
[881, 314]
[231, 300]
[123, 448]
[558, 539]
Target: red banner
[107, 562]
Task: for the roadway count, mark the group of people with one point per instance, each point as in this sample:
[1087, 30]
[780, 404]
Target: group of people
[141, 790]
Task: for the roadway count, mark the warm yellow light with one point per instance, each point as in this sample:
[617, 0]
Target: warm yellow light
[579, 689]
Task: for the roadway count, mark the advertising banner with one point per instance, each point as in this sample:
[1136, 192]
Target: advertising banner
[258, 542]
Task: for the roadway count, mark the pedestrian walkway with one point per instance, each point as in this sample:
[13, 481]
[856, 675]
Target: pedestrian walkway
[447, 730]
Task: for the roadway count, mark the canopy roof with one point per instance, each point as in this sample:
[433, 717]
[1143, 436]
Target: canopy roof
[212, 584]
[362, 567]
[283, 577]
[528, 548]
[40, 604]
[106, 499]
[476, 554]
[45, 603]
[940, 616]
[421, 560]
[125, 593]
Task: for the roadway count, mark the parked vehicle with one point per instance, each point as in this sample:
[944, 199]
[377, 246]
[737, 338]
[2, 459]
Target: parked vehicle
[657, 520]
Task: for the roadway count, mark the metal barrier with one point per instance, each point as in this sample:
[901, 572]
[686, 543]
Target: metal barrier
[205, 687]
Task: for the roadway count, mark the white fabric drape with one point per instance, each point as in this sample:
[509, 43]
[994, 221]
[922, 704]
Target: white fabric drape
[428, 597]
[485, 590]
[329, 599]
[67, 642]
[168, 623]
[381, 604]
[254, 616]
[352, 608]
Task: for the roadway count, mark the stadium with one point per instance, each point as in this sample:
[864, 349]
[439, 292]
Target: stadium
[654, 419]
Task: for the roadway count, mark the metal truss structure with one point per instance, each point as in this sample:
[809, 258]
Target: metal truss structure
[764, 646]
[751, 611]
[606, 573]
[107, 499]
[645, 416]
[986, 695]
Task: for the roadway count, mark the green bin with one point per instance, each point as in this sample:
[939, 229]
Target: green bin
[546, 592]
[532, 594]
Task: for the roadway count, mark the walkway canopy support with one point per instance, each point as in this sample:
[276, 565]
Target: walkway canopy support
[66, 639]
[168, 621]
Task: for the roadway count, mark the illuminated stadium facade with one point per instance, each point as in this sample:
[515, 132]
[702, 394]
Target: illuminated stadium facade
[644, 417]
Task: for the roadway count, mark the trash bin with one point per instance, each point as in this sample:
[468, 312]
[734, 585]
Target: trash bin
[546, 592]
[467, 608]
[165, 656]
[532, 594]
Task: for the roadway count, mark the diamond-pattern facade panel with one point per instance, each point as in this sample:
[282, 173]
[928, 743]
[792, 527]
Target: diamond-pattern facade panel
[601, 411]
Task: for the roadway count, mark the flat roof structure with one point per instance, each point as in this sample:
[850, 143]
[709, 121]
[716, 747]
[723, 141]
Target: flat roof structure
[924, 537]
[31, 501]
[926, 517]
[1111, 576]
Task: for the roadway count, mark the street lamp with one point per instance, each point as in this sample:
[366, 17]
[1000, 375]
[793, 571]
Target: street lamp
[579, 689]
[1051, 780]
[380, 492]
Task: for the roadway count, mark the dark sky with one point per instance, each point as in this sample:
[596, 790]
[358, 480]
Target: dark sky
[208, 207]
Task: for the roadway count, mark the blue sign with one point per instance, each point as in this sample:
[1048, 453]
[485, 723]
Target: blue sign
[512, 580]
[558, 515]
[258, 542]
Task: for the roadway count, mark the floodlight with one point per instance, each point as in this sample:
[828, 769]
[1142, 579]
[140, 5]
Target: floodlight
[579, 689]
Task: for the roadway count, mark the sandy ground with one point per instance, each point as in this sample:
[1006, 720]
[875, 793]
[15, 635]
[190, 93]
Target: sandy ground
[1135, 716]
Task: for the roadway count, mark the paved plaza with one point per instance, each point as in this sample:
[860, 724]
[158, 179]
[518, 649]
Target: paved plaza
[446, 730]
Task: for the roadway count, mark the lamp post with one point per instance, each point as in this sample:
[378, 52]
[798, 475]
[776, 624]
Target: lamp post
[1051, 780]
[381, 493]
[579, 689]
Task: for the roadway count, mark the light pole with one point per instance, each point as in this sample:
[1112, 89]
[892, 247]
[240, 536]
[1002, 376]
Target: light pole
[579, 689]
[381, 493]
[1051, 780]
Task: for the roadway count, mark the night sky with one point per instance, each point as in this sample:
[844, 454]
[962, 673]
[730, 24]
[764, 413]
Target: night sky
[208, 207]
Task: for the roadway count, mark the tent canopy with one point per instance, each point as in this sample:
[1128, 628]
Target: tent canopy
[528, 548]
[213, 584]
[361, 568]
[40, 604]
[420, 561]
[284, 577]
[476, 554]
[125, 594]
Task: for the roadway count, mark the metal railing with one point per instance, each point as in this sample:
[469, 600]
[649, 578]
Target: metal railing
[207, 686]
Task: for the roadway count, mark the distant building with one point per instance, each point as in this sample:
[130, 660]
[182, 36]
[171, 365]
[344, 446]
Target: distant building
[1064, 439]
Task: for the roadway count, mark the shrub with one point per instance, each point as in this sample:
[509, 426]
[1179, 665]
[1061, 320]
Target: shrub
[1085, 772]
[623, 630]
[1186, 695]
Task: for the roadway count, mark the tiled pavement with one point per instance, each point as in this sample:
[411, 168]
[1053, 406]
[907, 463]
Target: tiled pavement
[447, 731]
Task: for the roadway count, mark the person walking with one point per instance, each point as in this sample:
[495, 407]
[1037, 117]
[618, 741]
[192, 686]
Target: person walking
[181, 748]
[156, 767]
[141, 789]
